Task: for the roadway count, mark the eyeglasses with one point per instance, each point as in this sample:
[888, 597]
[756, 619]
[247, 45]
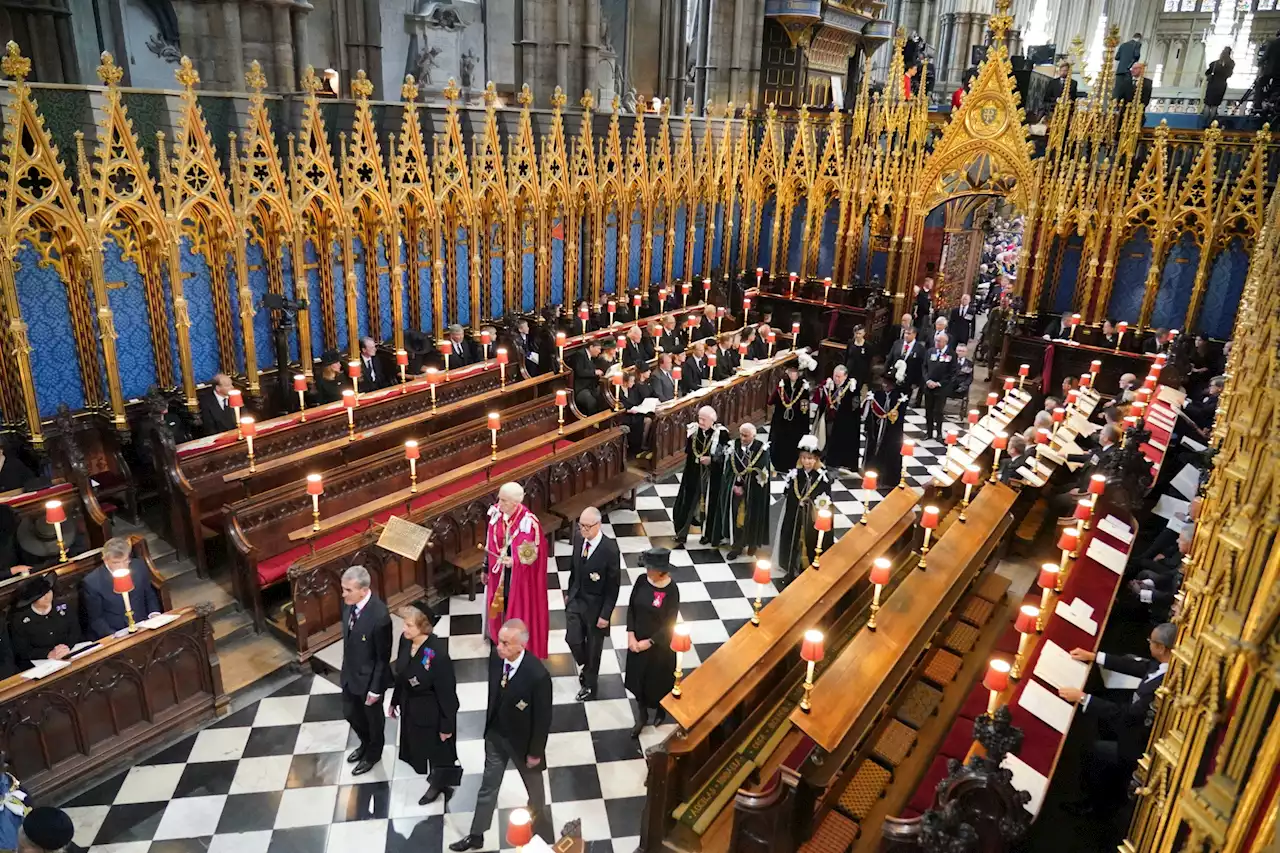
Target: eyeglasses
[588, 526]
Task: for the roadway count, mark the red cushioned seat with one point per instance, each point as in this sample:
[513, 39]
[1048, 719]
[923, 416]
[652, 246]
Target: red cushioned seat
[975, 704]
[923, 798]
[275, 568]
[958, 741]
[1008, 642]
[909, 812]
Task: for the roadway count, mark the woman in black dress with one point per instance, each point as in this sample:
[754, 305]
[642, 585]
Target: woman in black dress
[806, 488]
[651, 618]
[884, 414]
[41, 629]
[858, 357]
[425, 698]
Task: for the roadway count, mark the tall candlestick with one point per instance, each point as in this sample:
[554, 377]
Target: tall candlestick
[300, 385]
[870, 479]
[762, 577]
[811, 651]
[562, 400]
[881, 570]
[236, 401]
[972, 474]
[929, 521]
[249, 429]
[433, 377]
[315, 488]
[495, 423]
[411, 453]
[349, 402]
[56, 514]
[402, 362]
[1025, 625]
[681, 642]
[996, 681]
[908, 451]
[822, 523]
[1121, 328]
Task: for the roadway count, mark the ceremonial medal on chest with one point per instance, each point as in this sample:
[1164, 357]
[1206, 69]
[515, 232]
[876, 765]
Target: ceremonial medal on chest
[528, 552]
[658, 598]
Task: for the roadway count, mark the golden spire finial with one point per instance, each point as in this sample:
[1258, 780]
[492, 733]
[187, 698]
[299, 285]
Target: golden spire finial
[1001, 22]
[525, 97]
[587, 101]
[665, 109]
[310, 82]
[617, 104]
[187, 75]
[254, 78]
[490, 95]
[558, 100]
[688, 107]
[451, 92]
[409, 91]
[108, 72]
[362, 86]
[15, 65]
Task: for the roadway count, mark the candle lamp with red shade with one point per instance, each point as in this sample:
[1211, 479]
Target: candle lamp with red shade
[1024, 370]
[706, 290]
[684, 294]
[1071, 328]
[502, 365]
[870, 480]
[1068, 541]
[411, 452]
[746, 308]
[762, 575]
[495, 424]
[881, 571]
[1048, 580]
[971, 477]
[719, 312]
[795, 334]
[908, 451]
[681, 642]
[992, 399]
[519, 828]
[612, 308]
[485, 340]
[354, 371]
[402, 364]
[759, 276]
[998, 443]
[616, 380]
[772, 338]
[1097, 485]
[561, 339]
[300, 385]
[583, 317]
[662, 300]
[791, 277]
[929, 522]
[315, 488]
[822, 524]
[826, 289]
[446, 349]
[349, 402]
[1025, 625]
[122, 583]
[236, 401]
[562, 400]
[1083, 512]
[811, 652]
[433, 379]
[249, 428]
[56, 514]
[1121, 328]
[996, 681]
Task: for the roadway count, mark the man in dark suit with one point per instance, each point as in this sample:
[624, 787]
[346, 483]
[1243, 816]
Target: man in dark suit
[371, 378]
[670, 339]
[1124, 725]
[664, 384]
[1128, 54]
[586, 378]
[366, 666]
[1158, 342]
[1132, 85]
[595, 573]
[909, 350]
[103, 607]
[940, 371]
[516, 726]
[216, 411]
[726, 358]
[1019, 455]
[464, 352]
[638, 348]
[923, 311]
[1058, 85]
[524, 341]
[964, 374]
[961, 321]
[707, 325]
[695, 368]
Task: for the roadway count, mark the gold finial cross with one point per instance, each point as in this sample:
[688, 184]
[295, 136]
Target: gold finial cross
[254, 78]
[525, 97]
[362, 86]
[409, 91]
[490, 95]
[558, 100]
[587, 101]
[310, 82]
[14, 64]
[451, 91]
[187, 74]
[617, 104]
[108, 72]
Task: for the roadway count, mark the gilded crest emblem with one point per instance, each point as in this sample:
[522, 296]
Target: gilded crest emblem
[528, 552]
[989, 114]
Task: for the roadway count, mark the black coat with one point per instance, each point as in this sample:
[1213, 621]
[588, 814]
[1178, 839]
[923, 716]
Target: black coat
[34, 636]
[858, 359]
[963, 378]
[372, 376]
[693, 371]
[217, 418]
[1125, 91]
[1215, 81]
[663, 384]
[426, 692]
[103, 606]
[520, 713]
[915, 360]
[940, 367]
[366, 649]
[328, 390]
[1127, 54]
[960, 325]
[586, 384]
[634, 353]
[652, 614]
[1053, 92]
[594, 583]
[1129, 721]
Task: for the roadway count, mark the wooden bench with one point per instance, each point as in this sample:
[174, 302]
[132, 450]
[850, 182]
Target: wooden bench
[469, 564]
[601, 496]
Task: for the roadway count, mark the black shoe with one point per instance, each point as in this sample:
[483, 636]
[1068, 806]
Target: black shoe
[733, 555]
[1079, 808]
[660, 717]
[680, 543]
[355, 755]
[433, 793]
[467, 842]
[585, 693]
[363, 767]
[636, 729]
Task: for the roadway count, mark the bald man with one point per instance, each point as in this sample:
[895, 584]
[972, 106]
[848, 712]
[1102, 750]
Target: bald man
[595, 574]
[216, 411]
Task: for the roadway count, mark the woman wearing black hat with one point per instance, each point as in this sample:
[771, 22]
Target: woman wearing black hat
[45, 830]
[39, 628]
[651, 618]
[425, 699]
[329, 380]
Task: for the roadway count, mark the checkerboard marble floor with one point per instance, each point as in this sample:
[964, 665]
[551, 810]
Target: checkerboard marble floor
[270, 777]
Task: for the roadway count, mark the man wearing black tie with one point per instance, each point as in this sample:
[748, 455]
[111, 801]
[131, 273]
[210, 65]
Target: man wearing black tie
[217, 414]
[371, 378]
[695, 368]
[664, 384]
[940, 371]
[516, 727]
[595, 573]
[1124, 725]
[366, 666]
[637, 348]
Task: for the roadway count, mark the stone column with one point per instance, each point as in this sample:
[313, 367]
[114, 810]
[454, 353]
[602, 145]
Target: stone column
[282, 32]
[525, 42]
[673, 31]
[960, 42]
[977, 30]
[562, 44]
[911, 15]
[1182, 60]
[301, 45]
[235, 44]
[945, 39]
[736, 77]
[700, 62]
[591, 47]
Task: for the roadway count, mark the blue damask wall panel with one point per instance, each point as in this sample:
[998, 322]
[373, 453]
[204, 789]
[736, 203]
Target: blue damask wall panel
[291, 290]
[1222, 297]
[1067, 276]
[678, 247]
[718, 212]
[1131, 278]
[635, 252]
[494, 281]
[362, 304]
[827, 245]
[1176, 283]
[463, 284]
[796, 247]
[610, 254]
[314, 299]
[198, 288]
[864, 247]
[425, 289]
[557, 272]
[55, 366]
[402, 249]
[170, 326]
[654, 273]
[766, 238]
[382, 329]
[263, 339]
[340, 300]
[699, 247]
[128, 299]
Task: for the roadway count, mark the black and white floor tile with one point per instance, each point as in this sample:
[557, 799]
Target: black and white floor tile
[270, 777]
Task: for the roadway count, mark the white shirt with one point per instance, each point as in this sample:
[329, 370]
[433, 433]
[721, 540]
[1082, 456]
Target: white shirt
[1101, 660]
[594, 542]
[514, 664]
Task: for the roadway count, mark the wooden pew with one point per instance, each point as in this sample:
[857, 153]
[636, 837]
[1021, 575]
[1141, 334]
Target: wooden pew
[1069, 360]
[745, 397]
[259, 529]
[834, 317]
[194, 472]
[734, 692]
[67, 577]
[91, 518]
[458, 524]
[99, 713]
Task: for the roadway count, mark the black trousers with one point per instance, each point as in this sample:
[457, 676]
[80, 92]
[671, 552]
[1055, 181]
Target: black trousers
[935, 401]
[586, 641]
[368, 722]
[496, 757]
[1104, 775]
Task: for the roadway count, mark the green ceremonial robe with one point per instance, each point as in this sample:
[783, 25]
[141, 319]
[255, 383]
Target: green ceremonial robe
[742, 516]
[699, 494]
